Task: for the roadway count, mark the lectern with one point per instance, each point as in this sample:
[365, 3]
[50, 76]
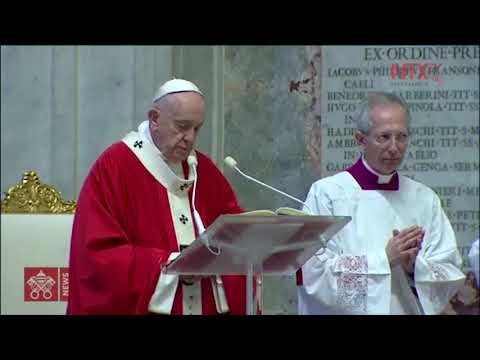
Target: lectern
[255, 245]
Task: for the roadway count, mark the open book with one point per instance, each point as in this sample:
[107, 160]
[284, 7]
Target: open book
[280, 211]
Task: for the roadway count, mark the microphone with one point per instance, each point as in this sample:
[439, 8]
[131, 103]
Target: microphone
[231, 163]
[192, 162]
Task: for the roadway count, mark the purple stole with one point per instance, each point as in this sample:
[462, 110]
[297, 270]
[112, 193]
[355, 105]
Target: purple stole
[368, 180]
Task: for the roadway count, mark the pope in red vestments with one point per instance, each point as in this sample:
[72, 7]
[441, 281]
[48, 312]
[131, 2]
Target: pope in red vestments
[135, 211]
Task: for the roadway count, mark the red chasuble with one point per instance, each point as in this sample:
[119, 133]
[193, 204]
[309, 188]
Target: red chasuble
[123, 232]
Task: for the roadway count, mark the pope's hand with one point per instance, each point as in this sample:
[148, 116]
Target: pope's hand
[190, 279]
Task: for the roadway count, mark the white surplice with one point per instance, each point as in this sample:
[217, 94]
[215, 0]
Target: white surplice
[353, 275]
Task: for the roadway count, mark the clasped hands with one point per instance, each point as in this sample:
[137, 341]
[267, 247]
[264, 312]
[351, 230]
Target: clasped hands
[403, 247]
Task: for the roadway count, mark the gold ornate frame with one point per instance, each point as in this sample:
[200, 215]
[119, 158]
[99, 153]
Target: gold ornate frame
[32, 196]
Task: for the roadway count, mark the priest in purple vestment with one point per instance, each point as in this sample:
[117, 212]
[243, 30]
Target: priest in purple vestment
[399, 254]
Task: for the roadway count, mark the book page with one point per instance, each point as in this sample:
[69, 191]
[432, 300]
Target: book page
[290, 212]
[259, 213]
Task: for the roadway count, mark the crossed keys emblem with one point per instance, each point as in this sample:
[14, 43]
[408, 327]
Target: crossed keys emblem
[41, 283]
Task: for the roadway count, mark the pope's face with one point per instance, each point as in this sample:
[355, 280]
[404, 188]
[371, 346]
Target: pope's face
[386, 142]
[175, 127]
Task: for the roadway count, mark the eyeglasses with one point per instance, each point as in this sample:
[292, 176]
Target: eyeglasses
[386, 138]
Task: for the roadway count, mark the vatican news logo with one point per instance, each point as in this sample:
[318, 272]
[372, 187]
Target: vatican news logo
[45, 284]
[415, 72]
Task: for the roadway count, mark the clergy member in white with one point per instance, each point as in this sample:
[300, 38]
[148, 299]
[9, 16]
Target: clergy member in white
[399, 254]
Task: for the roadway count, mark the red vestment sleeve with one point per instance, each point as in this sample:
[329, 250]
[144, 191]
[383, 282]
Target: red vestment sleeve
[111, 272]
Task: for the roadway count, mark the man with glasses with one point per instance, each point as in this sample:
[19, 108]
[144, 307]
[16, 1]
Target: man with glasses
[398, 255]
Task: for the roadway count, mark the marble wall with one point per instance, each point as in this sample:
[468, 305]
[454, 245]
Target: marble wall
[61, 106]
[270, 104]
[265, 120]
